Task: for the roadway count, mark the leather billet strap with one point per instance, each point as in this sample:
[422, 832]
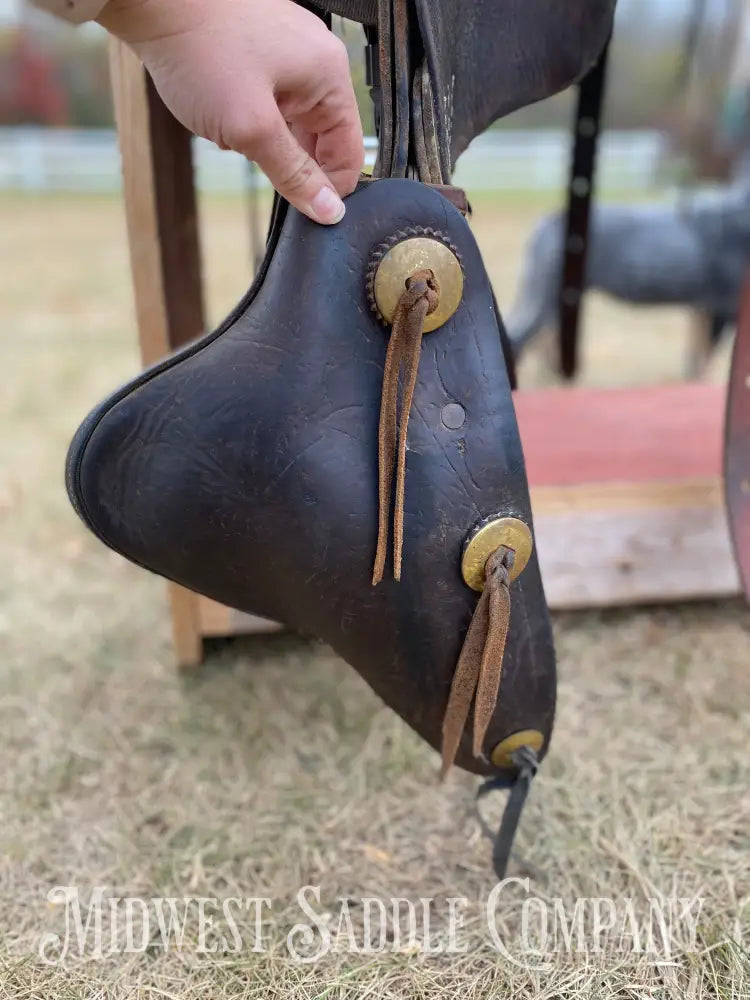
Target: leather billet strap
[580, 198]
[737, 442]
[473, 62]
[408, 143]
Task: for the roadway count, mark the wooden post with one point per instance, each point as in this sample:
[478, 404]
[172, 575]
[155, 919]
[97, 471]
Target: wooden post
[257, 241]
[739, 62]
[165, 259]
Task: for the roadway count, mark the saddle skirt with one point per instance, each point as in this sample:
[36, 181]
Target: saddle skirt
[245, 466]
[355, 411]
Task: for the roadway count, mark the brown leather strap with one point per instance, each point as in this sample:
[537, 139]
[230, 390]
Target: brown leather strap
[420, 298]
[737, 443]
[455, 195]
[479, 668]
[580, 198]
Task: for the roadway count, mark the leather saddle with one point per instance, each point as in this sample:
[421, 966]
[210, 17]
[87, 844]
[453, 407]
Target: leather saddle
[341, 454]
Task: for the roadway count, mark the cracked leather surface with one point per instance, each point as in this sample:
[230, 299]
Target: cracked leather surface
[245, 468]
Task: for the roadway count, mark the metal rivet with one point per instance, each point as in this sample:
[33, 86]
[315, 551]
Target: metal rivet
[587, 127]
[580, 186]
[747, 381]
[571, 297]
[502, 754]
[414, 254]
[511, 532]
[576, 244]
[453, 416]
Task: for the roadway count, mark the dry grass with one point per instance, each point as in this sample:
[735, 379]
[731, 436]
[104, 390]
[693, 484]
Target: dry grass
[275, 766]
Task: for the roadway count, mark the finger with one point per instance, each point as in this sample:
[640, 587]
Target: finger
[295, 174]
[343, 180]
[339, 150]
[307, 140]
[340, 153]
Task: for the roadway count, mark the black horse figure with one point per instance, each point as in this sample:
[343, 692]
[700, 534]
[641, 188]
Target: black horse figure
[693, 253]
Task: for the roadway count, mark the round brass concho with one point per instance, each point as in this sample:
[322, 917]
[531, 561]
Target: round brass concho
[508, 531]
[502, 754]
[413, 254]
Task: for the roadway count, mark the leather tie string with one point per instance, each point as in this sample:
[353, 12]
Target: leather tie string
[477, 676]
[419, 298]
[527, 764]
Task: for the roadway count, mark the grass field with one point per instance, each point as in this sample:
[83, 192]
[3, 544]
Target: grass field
[275, 767]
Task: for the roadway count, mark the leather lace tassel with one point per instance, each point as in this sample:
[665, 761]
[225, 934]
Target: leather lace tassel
[420, 298]
[477, 676]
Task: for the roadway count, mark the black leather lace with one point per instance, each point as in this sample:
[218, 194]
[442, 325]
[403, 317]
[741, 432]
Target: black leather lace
[527, 763]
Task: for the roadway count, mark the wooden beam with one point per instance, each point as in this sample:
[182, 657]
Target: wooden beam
[633, 543]
[627, 494]
[218, 620]
[161, 211]
[165, 258]
[162, 223]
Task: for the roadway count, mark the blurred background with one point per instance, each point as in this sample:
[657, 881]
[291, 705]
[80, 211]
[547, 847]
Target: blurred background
[676, 107]
[677, 120]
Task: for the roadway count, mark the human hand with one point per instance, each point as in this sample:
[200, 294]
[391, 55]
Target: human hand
[263, 77]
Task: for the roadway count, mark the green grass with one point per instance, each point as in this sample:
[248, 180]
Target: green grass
[275, 766]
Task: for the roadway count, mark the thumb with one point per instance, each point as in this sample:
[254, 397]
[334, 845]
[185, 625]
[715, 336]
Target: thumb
[296, 175]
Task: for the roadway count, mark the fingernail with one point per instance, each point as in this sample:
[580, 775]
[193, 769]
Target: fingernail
[327, 207]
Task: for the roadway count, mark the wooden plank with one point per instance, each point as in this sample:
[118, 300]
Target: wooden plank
[161, 211]
[645, 434]
[165, 260]
[627, 495]
[616, 544]
[163, 234]
[621, 497]
[216, 621]
[612, 544]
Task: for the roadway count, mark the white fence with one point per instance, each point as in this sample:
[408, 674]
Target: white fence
[39, 159]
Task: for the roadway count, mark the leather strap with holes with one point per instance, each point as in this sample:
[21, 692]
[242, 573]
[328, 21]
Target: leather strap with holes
[580, 195]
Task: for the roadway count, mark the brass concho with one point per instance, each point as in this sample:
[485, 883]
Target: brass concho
[502, 754]
[508, 531]
[412, 251]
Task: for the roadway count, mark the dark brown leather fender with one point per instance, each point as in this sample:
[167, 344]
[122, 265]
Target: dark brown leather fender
[245, 467]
